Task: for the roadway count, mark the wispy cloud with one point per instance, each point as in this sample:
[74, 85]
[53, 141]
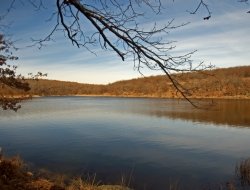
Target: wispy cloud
[223, 40]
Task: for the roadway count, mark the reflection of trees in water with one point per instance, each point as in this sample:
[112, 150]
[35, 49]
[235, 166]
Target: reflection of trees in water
[226, 112]
[235, 113]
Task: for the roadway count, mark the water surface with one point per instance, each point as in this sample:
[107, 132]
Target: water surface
[152, 141]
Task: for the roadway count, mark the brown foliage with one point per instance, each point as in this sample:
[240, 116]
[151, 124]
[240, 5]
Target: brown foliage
[8, 78]
[14, 176]
[219, 83]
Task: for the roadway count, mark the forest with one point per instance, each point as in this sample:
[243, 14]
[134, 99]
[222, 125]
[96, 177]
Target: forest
[217, 83]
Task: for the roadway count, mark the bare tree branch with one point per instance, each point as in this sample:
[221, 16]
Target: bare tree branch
[202, 4]
[116, 28]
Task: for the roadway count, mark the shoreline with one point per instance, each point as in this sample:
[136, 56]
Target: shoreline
[138, 96]
[16, 174]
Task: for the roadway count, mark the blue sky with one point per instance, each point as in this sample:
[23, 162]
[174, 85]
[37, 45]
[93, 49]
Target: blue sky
[222, 41]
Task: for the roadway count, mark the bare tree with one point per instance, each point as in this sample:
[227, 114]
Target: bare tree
[116, 26]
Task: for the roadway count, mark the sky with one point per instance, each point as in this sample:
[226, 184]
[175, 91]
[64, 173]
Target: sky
[223, 40]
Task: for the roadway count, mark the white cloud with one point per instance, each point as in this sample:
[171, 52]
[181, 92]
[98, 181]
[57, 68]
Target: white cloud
[223, 41]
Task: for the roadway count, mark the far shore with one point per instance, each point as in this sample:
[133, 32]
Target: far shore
[229, 83]
[142, 96]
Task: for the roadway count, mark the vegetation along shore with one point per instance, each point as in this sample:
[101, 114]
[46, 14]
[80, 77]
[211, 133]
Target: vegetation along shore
[15, 175]
[218, 83]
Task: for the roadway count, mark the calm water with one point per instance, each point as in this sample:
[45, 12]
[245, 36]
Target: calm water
[155, 141]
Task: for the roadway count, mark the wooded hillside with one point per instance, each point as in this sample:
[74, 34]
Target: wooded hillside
[218, 83]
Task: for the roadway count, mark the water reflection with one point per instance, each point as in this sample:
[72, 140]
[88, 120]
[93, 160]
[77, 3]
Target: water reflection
[223, 112]
[235, 113]
[158, 139]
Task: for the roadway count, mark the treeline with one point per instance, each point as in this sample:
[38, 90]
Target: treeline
[229, 82]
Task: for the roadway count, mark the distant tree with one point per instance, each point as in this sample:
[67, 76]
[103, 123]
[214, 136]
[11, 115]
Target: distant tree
[116, 27]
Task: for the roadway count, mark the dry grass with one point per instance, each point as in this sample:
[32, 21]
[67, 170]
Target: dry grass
[15, 176]
[243, 172]
[80, 184]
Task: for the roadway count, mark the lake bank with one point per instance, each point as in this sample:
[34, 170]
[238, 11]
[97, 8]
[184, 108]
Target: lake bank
[14, 174]
[146, 96]
[229, 83]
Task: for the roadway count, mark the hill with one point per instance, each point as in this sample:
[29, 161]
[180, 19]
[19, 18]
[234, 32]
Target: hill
[218, 83]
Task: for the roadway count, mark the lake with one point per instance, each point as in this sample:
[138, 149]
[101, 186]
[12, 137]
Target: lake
[150, 143]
